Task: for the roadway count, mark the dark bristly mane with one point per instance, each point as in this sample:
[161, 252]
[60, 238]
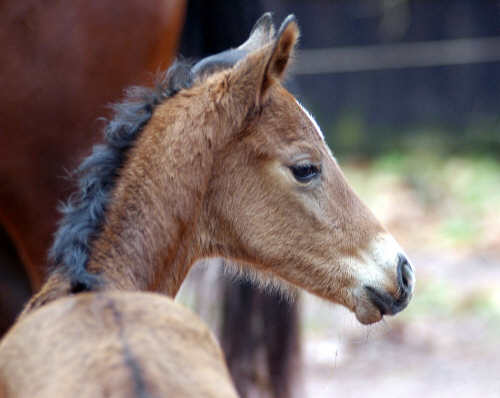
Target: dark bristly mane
[84, 212]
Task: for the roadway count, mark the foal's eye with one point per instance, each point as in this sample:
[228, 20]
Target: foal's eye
[305, 172]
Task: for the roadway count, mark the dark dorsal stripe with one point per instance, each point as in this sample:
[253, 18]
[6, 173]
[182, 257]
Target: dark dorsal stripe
[85, 210]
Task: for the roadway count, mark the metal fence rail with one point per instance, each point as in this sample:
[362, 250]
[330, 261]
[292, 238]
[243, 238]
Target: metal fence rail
[397, 56]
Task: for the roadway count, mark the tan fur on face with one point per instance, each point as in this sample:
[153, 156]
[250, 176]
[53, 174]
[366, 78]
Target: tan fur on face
[300, 233]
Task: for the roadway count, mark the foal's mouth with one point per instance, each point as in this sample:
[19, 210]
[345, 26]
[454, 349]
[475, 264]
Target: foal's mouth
[386, 303]
[376, 304]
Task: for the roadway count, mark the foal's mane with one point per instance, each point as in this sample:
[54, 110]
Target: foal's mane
[84, 212]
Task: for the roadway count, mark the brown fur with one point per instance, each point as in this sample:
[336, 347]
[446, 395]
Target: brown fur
[112, 344]
[209, 177]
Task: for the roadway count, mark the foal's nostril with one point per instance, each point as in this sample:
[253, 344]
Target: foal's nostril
[406, 277]
[387, 303]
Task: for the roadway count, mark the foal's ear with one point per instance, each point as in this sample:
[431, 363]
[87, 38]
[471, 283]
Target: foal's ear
[266, 65]
[281, 53]
[262, 33]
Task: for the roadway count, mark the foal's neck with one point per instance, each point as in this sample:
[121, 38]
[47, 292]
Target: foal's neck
[151, 234]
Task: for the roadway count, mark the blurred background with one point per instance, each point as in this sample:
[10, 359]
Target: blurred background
[407, 93]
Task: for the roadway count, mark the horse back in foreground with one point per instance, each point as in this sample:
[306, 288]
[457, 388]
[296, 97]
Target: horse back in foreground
[112, 344]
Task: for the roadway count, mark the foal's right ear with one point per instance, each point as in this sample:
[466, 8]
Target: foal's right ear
[262, 33]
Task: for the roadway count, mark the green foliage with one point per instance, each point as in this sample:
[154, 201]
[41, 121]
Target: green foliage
[460, 193]
[351, 135]
[438, 299]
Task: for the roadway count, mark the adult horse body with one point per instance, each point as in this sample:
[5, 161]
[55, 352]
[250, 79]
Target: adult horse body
[221, 161]
[62, 63]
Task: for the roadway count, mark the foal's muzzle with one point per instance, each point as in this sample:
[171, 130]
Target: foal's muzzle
[386, 303]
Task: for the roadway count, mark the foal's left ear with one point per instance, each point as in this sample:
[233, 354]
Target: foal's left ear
[263, 67]
[281, 53]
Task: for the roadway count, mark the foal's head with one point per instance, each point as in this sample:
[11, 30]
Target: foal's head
[278, 200]
[229, 164]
